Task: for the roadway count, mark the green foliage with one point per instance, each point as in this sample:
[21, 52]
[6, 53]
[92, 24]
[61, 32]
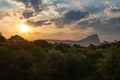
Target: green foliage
[109, 65]
[42, 43]
[39, 60]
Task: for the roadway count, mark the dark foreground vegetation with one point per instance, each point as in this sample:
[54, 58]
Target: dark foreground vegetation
[38, 60]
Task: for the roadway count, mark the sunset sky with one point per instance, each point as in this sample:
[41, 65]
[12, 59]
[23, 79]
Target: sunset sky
[60, 19]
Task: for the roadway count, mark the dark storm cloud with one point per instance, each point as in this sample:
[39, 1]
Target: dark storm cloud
[115, 10]
[87, 23]
[98, 23]
[106, 27]
[75, 15]
[36, 23]
[47, 23]
[96, 8]
[35, 4]
[27, 14]
[70, 17]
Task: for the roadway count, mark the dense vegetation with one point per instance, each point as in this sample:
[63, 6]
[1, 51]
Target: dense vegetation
[38, 60]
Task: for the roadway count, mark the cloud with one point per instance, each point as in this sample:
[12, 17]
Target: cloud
[9, 9]
[31, 7]
[3, 14]
[34, 9]
[114, 20]
[115, 10]
[28, 14]
[35, 4]
[75, 15]
[37, 23]
[112, 11]
[70, 17]
[103, 26]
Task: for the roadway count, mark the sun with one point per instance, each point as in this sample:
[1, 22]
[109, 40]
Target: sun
[24, 28]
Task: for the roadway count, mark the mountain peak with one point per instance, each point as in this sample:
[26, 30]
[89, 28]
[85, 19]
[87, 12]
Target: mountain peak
[92, 39]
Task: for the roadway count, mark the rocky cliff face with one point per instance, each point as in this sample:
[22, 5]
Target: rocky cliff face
[92, 39]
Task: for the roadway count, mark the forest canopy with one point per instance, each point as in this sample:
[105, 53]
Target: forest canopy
[21, 59]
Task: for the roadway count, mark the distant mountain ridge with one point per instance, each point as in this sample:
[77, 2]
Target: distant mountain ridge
[92, 39]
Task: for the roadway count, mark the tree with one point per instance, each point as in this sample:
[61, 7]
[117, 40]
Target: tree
[16, 38]
[79, 66]
[42, 43]
[51, 67]
[109, 65]
[2, 38]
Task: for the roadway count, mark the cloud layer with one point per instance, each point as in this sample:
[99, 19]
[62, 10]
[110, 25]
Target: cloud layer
[103, 16]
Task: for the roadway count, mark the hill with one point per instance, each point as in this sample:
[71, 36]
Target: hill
[92, 39]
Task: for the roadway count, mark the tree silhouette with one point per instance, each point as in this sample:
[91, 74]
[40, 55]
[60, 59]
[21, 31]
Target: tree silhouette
[2, 38]
[16, 38]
